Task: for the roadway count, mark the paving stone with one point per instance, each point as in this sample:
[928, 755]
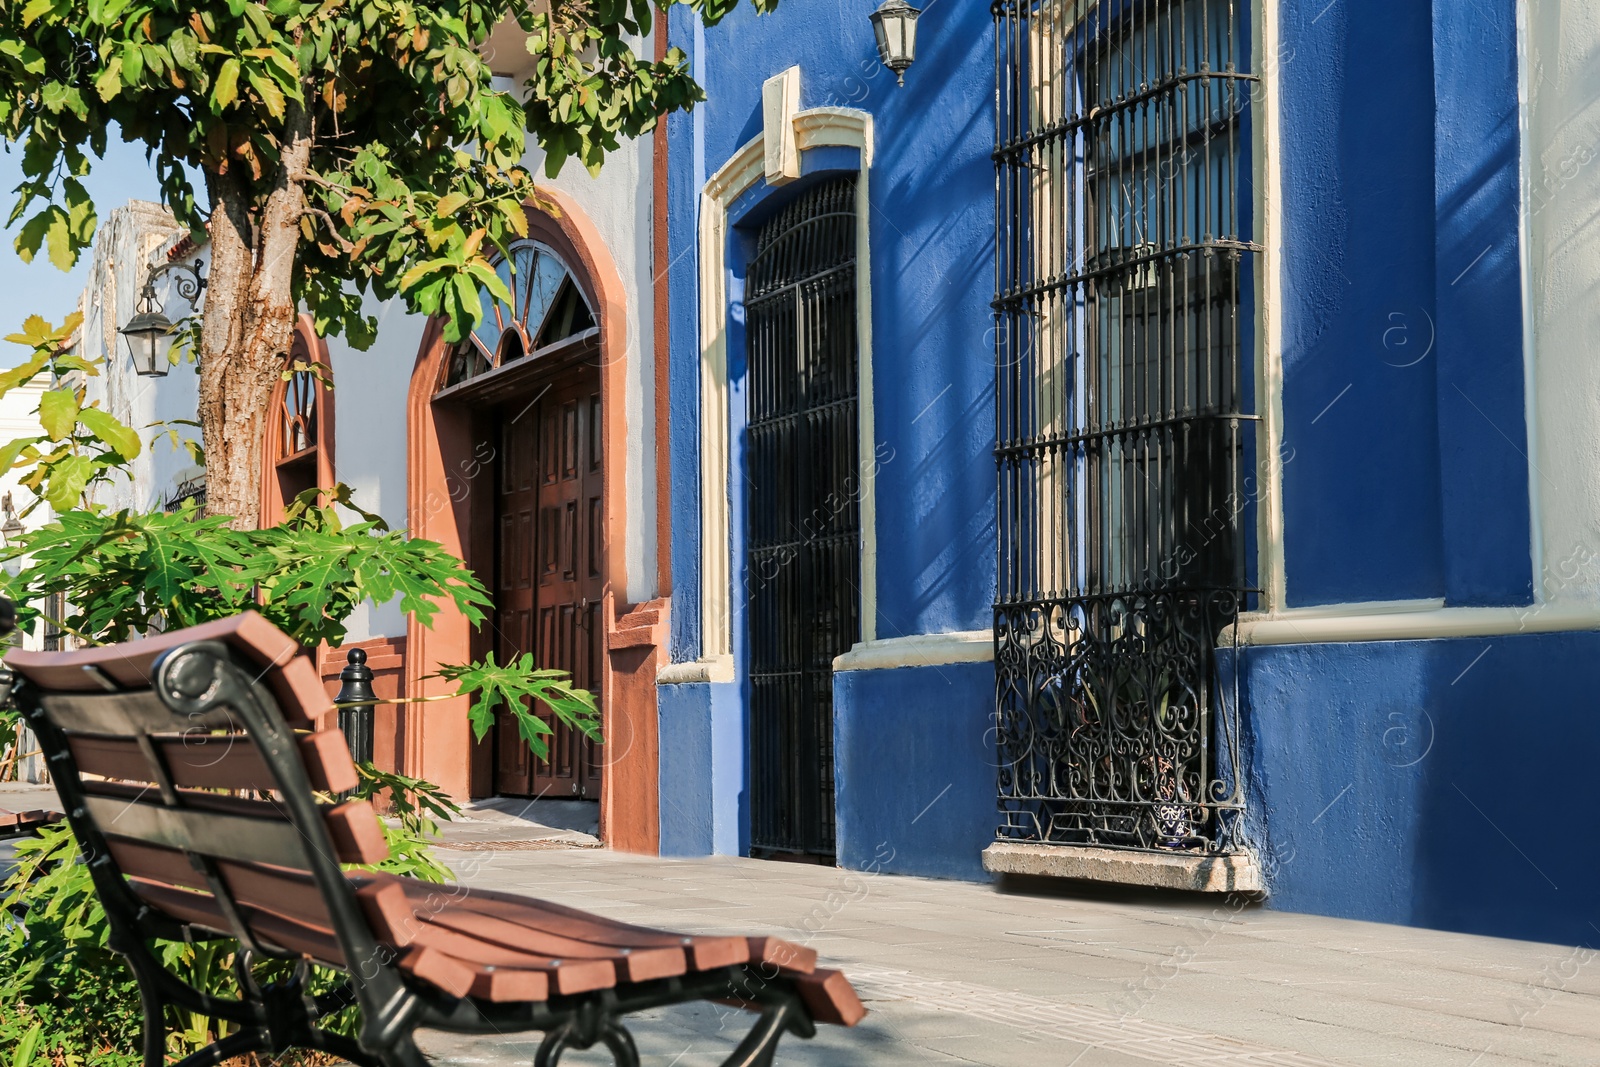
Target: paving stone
[963, 973]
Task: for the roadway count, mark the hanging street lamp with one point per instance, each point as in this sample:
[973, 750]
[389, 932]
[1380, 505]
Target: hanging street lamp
[895, 26]
[149, 332]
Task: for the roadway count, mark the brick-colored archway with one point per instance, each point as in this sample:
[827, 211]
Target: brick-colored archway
[449, 467]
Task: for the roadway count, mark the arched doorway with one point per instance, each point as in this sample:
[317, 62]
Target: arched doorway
[529, 379]
[540, 387]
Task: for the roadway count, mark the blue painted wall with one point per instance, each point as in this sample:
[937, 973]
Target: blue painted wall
[702, 770]
[1402, 335]
[931, 235]
[931, 232]
[915, 769]
[1361, 493]
[1441, 783]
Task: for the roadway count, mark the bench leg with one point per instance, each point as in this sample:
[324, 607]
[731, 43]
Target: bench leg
[155, 1021]
[610, 1033]
[760, 1045]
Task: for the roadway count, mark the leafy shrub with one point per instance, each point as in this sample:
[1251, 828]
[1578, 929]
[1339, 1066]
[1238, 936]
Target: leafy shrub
[65, 999]
[68, 1000]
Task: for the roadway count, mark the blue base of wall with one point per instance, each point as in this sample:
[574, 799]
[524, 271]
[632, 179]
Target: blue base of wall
[1442, 783]
[915, 791]
[702, 769]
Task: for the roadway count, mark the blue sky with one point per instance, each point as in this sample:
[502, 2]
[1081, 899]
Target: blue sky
[38, 287]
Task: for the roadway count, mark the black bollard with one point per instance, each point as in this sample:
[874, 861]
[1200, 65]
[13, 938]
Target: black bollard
[355, 689]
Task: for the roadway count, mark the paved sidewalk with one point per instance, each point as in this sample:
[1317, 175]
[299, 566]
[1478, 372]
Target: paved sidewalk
[1027, 974]
[961, 973]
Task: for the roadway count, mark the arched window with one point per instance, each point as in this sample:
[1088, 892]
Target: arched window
[547, 306]
[298, 447]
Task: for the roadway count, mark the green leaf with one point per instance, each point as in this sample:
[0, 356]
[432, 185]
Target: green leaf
[58, 237]
[16, 376]
[271, 96]
[66, 481]
[23, 1056]
[109, 83]
[119, 438]
[226, 88]
[11, 451]
[35, 9]
[58, 413]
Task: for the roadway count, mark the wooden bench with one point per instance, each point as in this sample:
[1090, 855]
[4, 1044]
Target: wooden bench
[205, 791]
[22, 823]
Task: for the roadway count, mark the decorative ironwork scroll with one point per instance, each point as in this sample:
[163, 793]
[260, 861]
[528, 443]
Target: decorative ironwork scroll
[1123, 413]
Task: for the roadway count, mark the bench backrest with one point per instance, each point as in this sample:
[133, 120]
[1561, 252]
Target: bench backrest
[189, 764]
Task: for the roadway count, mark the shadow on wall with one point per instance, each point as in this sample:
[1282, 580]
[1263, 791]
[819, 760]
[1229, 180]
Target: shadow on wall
[1442, 783]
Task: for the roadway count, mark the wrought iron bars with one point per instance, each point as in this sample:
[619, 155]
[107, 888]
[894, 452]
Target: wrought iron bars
[1123, 415]
[804, 509]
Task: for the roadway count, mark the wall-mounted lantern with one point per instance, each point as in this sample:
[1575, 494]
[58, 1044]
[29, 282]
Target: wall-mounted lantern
[149, 332]
[895, 25]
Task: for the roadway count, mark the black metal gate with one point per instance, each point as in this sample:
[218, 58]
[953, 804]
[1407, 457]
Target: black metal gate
[1123, 416]
[804, 514]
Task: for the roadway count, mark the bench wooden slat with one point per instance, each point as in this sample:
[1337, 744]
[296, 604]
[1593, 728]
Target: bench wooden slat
[206, 791]
[233, 828]
[216, 761]
[829, 997]
[294, 683]
[704, 953]
[201, 909]
[438, 970]
[293, 894]
[127, 714]
[396, 923]
[632, 965]
[769, 952]
[234, 837]
[13, 823]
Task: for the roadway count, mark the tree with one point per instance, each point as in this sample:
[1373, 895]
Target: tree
[347, 147]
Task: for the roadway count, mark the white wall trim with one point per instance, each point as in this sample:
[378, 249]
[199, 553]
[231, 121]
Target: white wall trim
[919, 650]
[1406, 621]
[1530, 380]
[715, 669]
[814, 128]
[1269, 327]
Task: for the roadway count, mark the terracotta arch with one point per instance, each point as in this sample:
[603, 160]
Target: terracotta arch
[308, 346]
[448, 475]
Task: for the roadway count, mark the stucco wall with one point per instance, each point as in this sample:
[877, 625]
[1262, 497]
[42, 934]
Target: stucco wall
[901, 735]
[1562, 156]
[1431, 783]
[131, 238]
[1402, 356]
[931, 237]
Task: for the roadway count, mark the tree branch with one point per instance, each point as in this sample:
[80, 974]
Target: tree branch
[318, 213]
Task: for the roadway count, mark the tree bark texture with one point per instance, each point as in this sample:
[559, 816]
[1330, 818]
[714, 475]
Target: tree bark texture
[249, 321]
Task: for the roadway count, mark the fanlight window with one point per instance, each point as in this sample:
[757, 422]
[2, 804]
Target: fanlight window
[299, 414]
[547, 306]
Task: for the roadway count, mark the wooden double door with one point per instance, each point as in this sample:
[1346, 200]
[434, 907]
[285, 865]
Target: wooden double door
[550, 578]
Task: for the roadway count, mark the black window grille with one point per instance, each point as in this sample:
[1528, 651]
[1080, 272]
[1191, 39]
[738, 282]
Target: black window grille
[804, 512]
[1124, 418]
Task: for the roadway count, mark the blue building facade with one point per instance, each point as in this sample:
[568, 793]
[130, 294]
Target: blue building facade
[1393, 701]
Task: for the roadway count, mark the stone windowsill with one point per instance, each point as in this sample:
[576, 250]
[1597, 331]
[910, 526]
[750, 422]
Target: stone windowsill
[1176, 870]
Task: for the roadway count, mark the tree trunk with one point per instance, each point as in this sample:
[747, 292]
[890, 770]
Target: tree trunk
[249, 321]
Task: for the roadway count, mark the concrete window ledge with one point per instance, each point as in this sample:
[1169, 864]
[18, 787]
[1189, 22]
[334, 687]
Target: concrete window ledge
[1176, 870]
